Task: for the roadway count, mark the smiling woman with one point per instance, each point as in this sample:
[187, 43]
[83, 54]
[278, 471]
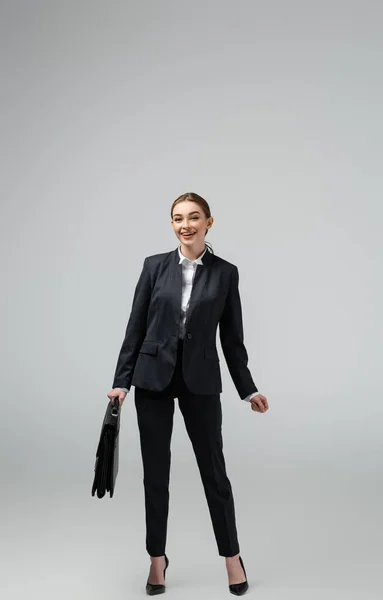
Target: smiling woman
[169, 351]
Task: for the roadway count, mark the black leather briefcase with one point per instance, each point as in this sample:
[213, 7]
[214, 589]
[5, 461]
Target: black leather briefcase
[106, 465]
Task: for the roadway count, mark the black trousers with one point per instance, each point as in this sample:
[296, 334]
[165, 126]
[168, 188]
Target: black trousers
[203, 420]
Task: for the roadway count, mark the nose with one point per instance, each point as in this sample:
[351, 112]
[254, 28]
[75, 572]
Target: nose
[185, 226]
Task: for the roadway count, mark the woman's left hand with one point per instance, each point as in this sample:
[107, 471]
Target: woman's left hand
[259, 403]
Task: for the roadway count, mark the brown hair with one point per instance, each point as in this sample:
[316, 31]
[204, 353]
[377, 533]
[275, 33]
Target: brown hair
[202, 203]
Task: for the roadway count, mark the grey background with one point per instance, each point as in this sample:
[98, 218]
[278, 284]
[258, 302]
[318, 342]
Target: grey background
[272, 111]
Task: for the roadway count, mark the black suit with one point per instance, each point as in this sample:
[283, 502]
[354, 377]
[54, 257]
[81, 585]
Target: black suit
[149, 350]
[163, 367]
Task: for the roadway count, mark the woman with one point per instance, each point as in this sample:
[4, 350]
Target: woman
[169, 351]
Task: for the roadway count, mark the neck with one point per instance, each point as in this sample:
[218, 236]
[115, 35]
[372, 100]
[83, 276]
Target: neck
[192, 253]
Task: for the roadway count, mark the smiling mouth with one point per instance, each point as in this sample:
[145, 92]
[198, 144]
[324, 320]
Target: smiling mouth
[187, 235]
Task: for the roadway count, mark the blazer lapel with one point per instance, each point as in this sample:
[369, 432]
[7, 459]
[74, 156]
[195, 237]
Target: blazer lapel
[176, 285]
[200, 279]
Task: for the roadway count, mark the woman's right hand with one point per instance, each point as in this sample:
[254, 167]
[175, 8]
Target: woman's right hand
[117, 393]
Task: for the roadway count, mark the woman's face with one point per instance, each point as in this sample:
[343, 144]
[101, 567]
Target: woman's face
[190, 224]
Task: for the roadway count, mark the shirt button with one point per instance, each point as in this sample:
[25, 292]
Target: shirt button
[189, 336]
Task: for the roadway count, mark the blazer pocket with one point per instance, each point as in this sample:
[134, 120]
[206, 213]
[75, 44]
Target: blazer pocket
[211, 352]
[149, 348]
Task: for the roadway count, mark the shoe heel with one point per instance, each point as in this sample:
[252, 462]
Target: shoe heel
[238, 589]
[153, 589]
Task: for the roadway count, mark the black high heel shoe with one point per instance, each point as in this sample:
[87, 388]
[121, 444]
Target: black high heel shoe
[152, 589]
[238, 589]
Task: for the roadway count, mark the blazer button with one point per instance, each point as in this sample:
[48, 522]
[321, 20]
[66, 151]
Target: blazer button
[189, 336]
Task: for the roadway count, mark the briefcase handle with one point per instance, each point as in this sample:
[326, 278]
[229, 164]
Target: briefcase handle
[115, 407]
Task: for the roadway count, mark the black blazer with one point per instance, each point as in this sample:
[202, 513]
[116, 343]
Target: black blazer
[148, 354]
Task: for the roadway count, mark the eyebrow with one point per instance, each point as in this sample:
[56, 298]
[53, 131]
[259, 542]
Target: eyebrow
[191, 213]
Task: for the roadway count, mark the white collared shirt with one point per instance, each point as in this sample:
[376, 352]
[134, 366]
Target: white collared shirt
[189, 268]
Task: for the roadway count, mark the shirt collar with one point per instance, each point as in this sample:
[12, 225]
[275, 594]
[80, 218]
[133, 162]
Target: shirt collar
[183, 258]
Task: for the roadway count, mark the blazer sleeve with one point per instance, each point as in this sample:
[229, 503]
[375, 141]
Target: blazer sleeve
[135, 331]
[232, 340]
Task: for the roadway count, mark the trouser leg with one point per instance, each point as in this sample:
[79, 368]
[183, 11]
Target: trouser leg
[155, 412]
[203, 420]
